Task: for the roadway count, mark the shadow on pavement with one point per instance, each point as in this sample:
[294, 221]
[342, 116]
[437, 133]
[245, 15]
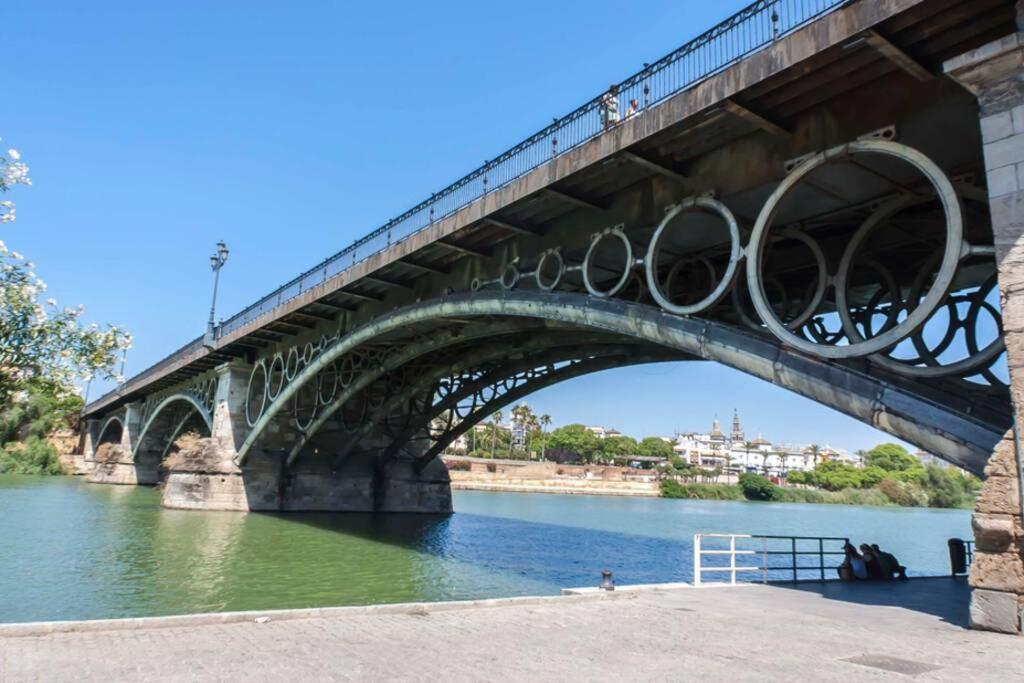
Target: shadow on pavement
[945, 597]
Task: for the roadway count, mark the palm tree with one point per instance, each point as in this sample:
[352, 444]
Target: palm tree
[815, 450]
[495, 421]
[748, 446]
[545, 420]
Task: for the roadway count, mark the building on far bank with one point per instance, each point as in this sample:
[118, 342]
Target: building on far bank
[603, 432]
[733, 452]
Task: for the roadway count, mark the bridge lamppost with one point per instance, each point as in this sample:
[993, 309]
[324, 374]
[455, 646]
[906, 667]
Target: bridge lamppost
[217, 261]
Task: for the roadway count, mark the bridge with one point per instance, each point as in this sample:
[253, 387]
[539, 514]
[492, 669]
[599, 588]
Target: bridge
[821, 193]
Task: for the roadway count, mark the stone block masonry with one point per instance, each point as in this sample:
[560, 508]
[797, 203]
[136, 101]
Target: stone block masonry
[995, 74]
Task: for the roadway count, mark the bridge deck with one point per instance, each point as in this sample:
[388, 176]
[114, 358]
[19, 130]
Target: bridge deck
[774, 84]
[756, 633]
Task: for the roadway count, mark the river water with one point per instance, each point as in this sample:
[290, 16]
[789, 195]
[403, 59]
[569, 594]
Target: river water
[73, 550]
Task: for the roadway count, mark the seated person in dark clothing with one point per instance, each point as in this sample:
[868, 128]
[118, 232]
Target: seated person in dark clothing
[871, 562]
[891, 567]
[852, 568]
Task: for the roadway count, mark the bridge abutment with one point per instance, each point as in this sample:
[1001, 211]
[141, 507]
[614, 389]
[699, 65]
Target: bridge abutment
[995, 74]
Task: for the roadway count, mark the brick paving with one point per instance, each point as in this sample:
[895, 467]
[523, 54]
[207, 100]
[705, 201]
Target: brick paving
[738, 634]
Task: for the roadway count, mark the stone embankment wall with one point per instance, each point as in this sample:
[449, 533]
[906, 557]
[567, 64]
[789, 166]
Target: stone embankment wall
[549, 477]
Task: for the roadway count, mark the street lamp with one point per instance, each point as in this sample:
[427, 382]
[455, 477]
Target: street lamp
[217, 261]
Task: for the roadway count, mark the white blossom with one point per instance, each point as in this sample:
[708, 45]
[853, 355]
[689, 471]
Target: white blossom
[51, 301]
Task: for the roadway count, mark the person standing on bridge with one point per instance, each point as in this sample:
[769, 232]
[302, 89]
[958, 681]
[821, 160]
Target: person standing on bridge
[609, 108]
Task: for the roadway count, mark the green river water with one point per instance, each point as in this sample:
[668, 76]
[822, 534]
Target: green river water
[73, 550]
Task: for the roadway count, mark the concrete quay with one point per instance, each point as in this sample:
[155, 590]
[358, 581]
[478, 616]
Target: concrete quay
[815, 631]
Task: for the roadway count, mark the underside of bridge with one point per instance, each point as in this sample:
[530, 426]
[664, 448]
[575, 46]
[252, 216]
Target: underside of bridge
[820, 215]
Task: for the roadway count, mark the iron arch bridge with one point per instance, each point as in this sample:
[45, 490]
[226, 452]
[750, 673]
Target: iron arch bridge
[814, 212]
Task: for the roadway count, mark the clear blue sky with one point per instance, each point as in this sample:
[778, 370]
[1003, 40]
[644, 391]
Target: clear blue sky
[290, 129]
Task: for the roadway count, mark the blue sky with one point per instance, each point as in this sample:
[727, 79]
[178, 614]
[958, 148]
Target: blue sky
[290, 129]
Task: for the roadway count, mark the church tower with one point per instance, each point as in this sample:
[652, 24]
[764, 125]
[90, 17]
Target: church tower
[737, 433]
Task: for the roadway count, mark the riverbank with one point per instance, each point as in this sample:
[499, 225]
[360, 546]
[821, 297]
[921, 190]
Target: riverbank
[523, 476]
[817, 631]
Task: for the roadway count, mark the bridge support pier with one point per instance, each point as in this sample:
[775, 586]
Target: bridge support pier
[114, 463]
[206, 477]
[995, 74]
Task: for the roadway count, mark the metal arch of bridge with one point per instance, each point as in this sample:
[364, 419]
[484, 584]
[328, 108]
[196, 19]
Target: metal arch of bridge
[894, 404]
[197, 408]
[515, 393]
[119, 419]
[490, 381]
[409, 354]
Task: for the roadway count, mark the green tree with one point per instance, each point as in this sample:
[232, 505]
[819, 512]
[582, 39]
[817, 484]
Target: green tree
[495, 421]
[41, 342]
[575, 438]
[815, 451]
[756, 487]
[942, 490]
[620, 445]
[836, 476]
[545, 422]
[797, 478]
[655, 447]
[891, 457]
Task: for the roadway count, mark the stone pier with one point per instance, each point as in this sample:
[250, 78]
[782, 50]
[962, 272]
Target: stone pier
[205, 476]
[995, 74]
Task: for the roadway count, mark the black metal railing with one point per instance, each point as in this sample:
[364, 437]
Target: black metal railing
[745, 32]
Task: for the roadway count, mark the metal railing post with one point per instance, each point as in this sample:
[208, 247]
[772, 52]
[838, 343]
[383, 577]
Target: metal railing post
[764, 559]
[696, 559]
[793, 555]
[732, 560]
[821, 557]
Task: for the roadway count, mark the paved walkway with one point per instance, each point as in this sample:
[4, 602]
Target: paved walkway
[756, 633]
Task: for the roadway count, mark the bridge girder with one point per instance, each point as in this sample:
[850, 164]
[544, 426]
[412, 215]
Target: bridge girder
[898, 405]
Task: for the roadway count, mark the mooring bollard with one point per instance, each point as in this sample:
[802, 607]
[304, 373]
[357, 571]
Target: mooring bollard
[607, 583]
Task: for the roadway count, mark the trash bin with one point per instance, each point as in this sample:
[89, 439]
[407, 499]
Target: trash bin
[957, 556]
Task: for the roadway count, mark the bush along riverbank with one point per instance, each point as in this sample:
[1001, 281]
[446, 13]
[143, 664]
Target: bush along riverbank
[890, 476]
[27, 424]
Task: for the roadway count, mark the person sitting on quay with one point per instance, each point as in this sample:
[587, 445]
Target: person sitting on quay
[874, 567]
[890, 566]
[853, 567]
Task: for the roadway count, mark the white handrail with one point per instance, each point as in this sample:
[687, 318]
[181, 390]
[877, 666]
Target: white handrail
[763, 567]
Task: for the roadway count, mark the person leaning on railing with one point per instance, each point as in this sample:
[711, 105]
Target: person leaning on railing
[609, 108]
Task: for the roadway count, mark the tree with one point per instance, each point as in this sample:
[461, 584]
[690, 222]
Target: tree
[13, 171]
[545, 422]
[836, 476]
[798, 478]
[942, 490]
[576, 438]
[495, 421]
[756, 487]
[620, 445]
[815, 450]
[43, 344]
[891, 457]
[655, 447]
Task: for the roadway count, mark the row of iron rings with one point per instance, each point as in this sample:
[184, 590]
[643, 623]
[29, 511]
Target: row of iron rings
[816, 341]
[270, 375]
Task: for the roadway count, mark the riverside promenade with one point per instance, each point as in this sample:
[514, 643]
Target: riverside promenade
[815, 631]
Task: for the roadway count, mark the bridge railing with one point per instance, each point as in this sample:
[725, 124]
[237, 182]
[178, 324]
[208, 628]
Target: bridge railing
[745, 32]
[734, 558]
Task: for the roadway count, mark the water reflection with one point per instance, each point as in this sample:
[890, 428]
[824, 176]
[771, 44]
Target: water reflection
[70, 550]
